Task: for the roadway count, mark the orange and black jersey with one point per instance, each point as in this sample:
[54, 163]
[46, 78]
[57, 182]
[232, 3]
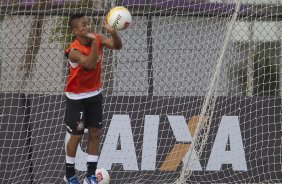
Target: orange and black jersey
[82, 80]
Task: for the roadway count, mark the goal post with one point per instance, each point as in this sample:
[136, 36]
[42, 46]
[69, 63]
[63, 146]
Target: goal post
[194, 95]
[206, 114]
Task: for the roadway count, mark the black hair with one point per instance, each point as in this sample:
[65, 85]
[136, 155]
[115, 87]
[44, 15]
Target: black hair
[74, 17]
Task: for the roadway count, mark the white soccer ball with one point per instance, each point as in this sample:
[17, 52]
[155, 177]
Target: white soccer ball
[103, 176]
[119, 18]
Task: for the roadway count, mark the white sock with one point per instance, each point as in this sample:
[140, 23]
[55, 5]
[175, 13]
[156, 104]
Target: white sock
[92, 158]
[70, 160]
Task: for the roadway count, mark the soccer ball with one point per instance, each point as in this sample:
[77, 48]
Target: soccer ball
[119, 18]
[103, 176]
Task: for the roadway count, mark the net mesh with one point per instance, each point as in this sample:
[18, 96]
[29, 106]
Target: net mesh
[157, 124]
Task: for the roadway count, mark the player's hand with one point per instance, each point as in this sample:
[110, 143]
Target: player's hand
[109, 28]
[90, 36]
[87, 34]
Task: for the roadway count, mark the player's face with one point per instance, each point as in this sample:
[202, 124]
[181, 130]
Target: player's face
[81, 27]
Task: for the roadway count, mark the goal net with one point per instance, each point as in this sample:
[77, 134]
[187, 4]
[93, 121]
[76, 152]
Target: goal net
[194, 95]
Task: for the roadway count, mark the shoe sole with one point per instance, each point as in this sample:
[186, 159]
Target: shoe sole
[85, 182]
[65, 179]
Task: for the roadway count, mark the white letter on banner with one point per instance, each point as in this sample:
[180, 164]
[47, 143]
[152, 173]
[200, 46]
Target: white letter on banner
[229, 127]
[150, 140]
[182, 134]
[180, 128]
[119, 129]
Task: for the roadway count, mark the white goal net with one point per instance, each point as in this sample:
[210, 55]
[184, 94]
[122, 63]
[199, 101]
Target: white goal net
[194, 95]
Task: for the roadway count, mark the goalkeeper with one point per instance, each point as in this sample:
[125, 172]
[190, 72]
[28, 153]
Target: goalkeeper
[83, 92]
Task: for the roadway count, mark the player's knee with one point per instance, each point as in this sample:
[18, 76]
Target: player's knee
[94, 133]
[75, 139]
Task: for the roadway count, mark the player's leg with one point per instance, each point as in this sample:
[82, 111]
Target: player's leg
[92, 154]
[93, 145]
[93, 119]
[74, 119]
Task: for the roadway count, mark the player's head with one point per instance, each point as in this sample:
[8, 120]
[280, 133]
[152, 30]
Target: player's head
[79, 23]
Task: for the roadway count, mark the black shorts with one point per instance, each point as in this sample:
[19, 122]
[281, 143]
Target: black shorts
[83, 113]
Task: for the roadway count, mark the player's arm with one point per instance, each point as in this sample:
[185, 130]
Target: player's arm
[87, 62]
[114, 42]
